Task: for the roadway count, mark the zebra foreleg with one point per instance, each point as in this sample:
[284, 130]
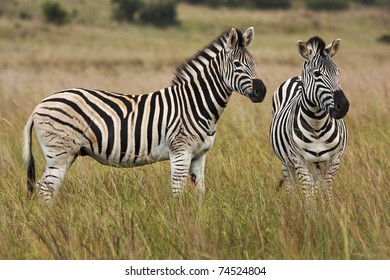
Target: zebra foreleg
[329, 175]
[289, 176]
[180, 166]
[197, 173]
[306, 180]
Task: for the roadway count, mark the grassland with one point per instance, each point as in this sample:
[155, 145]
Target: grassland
[107, 213]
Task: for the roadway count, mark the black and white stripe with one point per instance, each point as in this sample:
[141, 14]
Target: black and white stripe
[307, 131]
[176, 123]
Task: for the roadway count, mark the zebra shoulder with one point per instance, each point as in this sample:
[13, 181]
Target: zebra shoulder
[286, 92]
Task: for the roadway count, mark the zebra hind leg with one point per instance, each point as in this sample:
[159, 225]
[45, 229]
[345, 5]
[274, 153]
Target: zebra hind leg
[197, 174]
[53, 177]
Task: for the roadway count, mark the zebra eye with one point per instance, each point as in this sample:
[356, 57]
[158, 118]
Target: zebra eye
[237, 64]
[317, 73]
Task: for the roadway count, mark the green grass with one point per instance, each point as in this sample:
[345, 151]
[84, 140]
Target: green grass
[108, 213]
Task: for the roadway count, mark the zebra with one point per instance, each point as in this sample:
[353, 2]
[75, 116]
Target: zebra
[177, 123]
[307, 132]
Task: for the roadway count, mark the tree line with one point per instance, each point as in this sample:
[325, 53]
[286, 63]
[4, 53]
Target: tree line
[163, 13]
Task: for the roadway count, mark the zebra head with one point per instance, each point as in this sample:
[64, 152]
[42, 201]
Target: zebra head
[320, 77]
[240, 66]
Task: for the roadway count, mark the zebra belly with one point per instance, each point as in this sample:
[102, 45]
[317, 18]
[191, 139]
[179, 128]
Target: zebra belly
[159, 153]
[318, 151]
[204, 146]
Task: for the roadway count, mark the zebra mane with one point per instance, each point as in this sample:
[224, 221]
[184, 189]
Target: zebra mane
[204, 56]
[318, 45]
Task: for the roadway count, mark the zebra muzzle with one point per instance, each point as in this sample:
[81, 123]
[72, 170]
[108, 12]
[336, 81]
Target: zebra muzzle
[259, 91]
[341, 105]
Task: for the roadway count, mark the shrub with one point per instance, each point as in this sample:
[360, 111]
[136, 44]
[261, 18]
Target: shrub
[272, 4]
[54, 13]
[126, 9]
[24, 15]
[327, 4]
[374, 2]
[229, 3]
[220, 3]
[159, 13]
[194, 1]
[385, 38]
[366, 2]
[262, 4]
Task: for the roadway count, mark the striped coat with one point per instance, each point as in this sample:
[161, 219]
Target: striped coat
[308, 133]
[176, 123]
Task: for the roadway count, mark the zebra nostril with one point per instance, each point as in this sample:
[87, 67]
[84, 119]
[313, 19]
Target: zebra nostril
[258, 92]
[258, 87]
[341, 104]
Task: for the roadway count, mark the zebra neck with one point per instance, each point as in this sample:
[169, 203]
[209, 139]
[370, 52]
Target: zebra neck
[213, 87]
[311, 117]
[208, 91]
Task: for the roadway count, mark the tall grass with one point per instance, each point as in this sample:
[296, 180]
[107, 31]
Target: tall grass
[108, 213]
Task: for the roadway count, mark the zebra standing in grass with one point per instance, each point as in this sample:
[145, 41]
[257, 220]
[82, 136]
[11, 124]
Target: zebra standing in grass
[176, 123]
[307, 131]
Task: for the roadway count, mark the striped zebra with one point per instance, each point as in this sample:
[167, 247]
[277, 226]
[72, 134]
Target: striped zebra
[307, 131]
[176, 123]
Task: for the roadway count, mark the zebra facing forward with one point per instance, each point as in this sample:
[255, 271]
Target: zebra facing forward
[307, 131]
[176, 123]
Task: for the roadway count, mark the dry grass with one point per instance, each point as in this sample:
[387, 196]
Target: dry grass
[106, 213]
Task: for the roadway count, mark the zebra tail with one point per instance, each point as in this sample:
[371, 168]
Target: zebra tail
[278, 187]
[28, 156]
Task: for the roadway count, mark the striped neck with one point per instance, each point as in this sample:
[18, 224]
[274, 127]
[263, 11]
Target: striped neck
[203, 74]
[192, 68]
[312, 117]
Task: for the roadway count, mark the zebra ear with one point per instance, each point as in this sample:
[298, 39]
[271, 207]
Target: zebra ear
[232, 39]
[303, 49]
[333, 48]
[248, 36]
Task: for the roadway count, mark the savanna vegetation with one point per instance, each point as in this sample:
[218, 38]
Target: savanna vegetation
[108, 213]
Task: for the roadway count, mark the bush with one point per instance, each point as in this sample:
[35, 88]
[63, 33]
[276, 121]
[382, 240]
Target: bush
[327, 4]
[385, 38]
[194, 1]
[366, 2]
[24, 15]
[55, 13]
[126, 9]
[272, 4]
[159, 13]
[262, 4]
[228, 3]
[374, 2]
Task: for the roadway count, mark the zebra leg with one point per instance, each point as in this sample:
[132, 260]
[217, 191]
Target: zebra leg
[180, 166]
[197, 173]
[289, 177]
[330, 173]
[306, 181]
[328, 189]
[53, 177]
[60, 150]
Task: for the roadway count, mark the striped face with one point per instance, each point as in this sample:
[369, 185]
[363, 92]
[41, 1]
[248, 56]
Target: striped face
[240, 66]
[320, 77]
